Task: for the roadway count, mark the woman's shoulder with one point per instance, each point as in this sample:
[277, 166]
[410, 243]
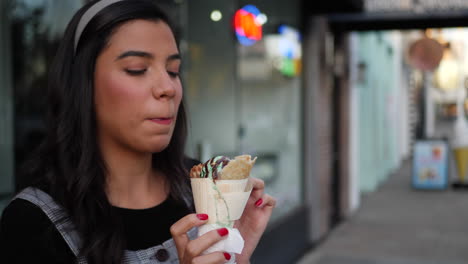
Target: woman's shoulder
[22, 219]
[19, 212]
[24, 227]
[25, 213]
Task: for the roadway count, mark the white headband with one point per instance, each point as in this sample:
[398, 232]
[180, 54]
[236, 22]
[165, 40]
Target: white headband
[88, 15]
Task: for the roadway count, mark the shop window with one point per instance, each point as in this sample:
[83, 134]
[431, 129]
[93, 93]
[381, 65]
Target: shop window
[246, 99]
[36, 28]
[6, 108]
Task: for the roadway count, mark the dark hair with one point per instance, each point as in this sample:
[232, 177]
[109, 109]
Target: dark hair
[69, 164]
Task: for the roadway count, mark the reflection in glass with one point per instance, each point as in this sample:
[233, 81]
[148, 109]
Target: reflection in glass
[6, 107]
[36, 30]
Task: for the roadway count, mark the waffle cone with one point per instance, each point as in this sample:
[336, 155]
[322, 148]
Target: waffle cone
[238, 168]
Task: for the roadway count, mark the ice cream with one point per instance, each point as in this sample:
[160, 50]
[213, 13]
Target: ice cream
[221, 189]
[460, 144]
[223, 168]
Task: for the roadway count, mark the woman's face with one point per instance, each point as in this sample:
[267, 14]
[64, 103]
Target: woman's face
[137, 89]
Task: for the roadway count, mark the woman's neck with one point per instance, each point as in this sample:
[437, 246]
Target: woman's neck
[131, 181]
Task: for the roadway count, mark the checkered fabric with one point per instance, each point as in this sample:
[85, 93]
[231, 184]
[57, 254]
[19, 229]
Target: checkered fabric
[55, 212]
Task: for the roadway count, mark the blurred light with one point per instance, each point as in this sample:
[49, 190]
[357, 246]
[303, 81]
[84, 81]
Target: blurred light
[261, 19]
[216, 15]
[248, 29]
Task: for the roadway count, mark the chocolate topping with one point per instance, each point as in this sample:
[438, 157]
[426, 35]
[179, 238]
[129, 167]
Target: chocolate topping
[213, 167]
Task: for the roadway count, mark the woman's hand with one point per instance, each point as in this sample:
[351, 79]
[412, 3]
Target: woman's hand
[254, 220]
[190, 251]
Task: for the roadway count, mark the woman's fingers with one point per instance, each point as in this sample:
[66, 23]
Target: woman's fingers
[258, 188]
[202, 243]
[180, 228]
[261, 199]
[191, 250]
[257, 183]
[266, 201]
[213, 258]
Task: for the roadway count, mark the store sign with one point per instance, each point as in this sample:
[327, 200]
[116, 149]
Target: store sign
[290, 49]
[246, 25]
[284, 50]
[418, 6]
[430, 164]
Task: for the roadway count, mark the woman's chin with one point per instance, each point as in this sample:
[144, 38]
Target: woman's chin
[157, 147]
[154, 144]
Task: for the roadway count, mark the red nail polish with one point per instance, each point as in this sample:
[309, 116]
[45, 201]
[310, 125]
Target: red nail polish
[202, 216]
[259, 202]
[227, 256]
[223, 231]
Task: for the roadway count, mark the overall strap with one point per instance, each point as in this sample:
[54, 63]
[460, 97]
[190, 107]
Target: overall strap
[57, 215]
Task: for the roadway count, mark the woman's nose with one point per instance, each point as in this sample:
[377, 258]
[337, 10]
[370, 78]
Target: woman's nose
[163, 86]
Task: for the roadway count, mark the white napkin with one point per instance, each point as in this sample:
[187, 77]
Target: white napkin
[233, 243]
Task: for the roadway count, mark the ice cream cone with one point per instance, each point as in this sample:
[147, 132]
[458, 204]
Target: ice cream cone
[221, 188]
[227, 186]
[224, 203]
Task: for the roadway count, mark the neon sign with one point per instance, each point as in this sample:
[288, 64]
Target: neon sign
[247, 26]
[290, 48]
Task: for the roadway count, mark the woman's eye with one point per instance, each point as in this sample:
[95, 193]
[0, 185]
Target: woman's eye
[135, 72]
[173, 74]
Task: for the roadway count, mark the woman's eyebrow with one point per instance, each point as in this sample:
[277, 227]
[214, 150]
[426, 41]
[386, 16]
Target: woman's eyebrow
[136, 53]
[175, 56]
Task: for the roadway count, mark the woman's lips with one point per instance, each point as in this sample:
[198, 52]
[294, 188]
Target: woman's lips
[162, 121]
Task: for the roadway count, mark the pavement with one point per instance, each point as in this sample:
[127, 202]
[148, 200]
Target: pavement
[400, 225]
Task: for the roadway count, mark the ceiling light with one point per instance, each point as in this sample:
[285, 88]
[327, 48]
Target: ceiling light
[216, 15]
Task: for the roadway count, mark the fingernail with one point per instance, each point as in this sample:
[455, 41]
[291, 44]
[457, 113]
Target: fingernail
[223, 231]
[259, 202]
[227, 256]
[202, 216]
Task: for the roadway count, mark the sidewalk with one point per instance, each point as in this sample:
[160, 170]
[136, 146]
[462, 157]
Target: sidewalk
[399, 225]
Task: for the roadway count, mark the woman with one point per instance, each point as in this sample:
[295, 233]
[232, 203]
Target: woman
[110, 181]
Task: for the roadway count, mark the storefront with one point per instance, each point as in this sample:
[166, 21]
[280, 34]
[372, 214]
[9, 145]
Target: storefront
[244, 97]
[30, 32]
[358, 117]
